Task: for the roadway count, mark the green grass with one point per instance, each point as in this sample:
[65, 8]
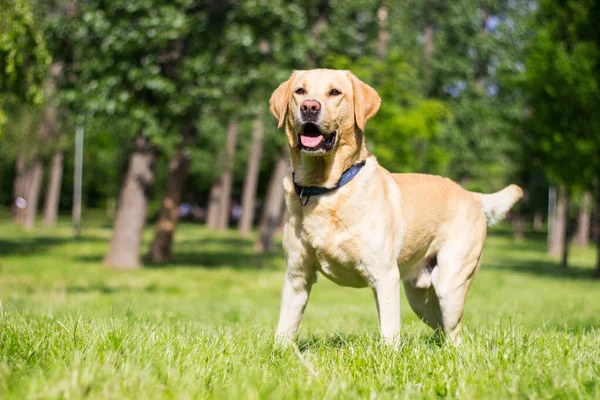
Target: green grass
[202, 326]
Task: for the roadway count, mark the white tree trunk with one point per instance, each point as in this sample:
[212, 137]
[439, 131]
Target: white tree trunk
[582, 236]
[124, 251]
[273, 207]
[214, 201]
[251, 181]
[227, 177]
[558, 238]
[34, 184]
[53, 193]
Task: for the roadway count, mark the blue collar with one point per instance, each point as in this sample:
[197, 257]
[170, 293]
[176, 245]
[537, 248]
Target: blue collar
[308, 191]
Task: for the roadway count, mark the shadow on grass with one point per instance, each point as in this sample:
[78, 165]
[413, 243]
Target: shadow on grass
[39, 244]
[208, 260]
[331, 342]
[221, 241]
[541, 268]
[314, 343]
[222, 259]
[535, 243]
[102, 288]
[506, 231]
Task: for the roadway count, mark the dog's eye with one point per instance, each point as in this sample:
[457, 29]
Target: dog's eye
[300, 91]
[334, 92]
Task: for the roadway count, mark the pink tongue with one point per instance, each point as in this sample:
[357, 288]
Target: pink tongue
[311, 141]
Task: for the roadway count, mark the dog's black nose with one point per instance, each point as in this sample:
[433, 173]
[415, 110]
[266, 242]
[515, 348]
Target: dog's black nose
[310, 108]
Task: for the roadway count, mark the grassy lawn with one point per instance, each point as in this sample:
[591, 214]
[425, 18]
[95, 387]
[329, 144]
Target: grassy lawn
[201, 327]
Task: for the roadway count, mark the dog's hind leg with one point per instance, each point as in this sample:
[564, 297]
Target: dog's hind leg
[439, 297]
[456, 270]
[451, 301]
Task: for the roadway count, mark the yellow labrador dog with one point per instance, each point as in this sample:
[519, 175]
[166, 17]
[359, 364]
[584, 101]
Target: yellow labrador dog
[362, 226]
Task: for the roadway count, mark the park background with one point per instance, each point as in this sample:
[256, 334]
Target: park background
[140, 186]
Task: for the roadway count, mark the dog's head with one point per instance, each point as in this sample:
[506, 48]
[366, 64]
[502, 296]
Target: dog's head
[323, 108]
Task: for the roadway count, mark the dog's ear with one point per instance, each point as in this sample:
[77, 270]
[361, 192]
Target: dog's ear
[280, 100]
[366, 101]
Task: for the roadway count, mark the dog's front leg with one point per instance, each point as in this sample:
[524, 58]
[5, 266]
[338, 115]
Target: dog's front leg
[387, 296]
[294, 296]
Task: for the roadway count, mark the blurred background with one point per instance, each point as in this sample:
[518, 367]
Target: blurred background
[143, 113]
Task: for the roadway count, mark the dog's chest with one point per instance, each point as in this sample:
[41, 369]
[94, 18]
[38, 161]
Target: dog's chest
[336, 245]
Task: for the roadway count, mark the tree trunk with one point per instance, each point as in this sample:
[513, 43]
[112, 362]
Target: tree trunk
[558, 225]
[124, 251]
[519, 226]
[19, 187]
[32, 192]
[382, 16]
[251, 181]
[226, 177]
[582, 236]
[273, 207]
[214, 200]
[427, 50]
[597, 231]
[564, 262]
[53, 194]
[162, 245]
[551, 216]
[78, 177]
[161, 249]
[538, 221]
[285, 215]
[47, 129]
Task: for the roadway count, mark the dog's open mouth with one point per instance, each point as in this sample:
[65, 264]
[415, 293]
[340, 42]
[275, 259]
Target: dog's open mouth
[312, 140]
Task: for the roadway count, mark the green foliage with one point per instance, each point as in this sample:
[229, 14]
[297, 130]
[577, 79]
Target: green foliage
[202, 326]
[406, 134]
[507, 86]
[562, 84]
[23, 56]
[477, 55]
[138, 63]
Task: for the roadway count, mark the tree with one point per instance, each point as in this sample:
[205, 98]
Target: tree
[162, 245]
[582, 235]
[251, 181]
[273, 205]
[34, 168]
[562, 88]
[249, 32]
[143, 62]
[214, 202]
[53, 194]
[49, 134]
[18, 189]
[226, 176]
[558, 222]
[212, 20]
[23, 56]
[22, 141]
[26, 136]
[33, 183]
[133, 205]
[24, 59]
[597, 225]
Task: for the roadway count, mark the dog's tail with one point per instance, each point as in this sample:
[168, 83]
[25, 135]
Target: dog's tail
[495, 205]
